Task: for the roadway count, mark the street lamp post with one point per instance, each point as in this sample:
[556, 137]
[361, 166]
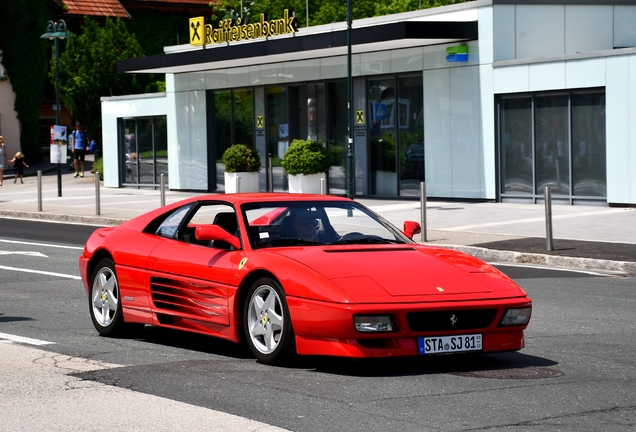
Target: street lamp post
[56, 31]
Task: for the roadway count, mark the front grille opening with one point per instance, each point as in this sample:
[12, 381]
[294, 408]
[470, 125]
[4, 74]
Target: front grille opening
[462, 319]
[373, 343]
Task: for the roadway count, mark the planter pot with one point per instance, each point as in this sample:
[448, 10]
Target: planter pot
[302, 183]
[248, 182]
[385, 183]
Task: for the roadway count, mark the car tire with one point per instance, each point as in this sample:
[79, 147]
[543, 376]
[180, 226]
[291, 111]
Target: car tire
[104, 300]
[267, 323]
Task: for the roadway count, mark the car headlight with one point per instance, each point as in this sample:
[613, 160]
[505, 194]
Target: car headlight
[516, 317]
[373, 323]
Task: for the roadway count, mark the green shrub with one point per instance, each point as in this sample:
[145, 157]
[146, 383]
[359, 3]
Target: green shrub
[306, 157]
[241, 158]
[98, 166]
[383, 155]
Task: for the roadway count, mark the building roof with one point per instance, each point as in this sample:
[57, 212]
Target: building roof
[179, 2]
[395, 35]
[93, 8]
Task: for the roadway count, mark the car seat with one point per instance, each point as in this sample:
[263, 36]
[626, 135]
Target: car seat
[227, 221]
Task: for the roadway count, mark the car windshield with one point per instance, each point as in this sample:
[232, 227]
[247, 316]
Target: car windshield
[316, 223]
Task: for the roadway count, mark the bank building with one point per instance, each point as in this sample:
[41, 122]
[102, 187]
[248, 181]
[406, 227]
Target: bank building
[484, 100]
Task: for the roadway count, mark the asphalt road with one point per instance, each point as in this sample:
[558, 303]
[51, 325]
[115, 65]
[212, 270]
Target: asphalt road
[576, 373]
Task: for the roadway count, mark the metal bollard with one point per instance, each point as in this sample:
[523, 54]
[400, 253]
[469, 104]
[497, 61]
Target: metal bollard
[548, 219]
[97, 203]
[323, 188]
[238, 184]
[162, 190]
[39, 190]
[423, 211]
[270, 173]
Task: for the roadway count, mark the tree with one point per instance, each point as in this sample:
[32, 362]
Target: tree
[24, 58]
[88, 70]
[320, 11]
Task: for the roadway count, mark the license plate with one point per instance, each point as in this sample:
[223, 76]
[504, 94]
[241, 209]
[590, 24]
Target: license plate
[449, 344]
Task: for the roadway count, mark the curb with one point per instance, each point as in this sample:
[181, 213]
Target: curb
[99, 220]
[491, 255]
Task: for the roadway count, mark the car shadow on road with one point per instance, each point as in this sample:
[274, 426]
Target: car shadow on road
[478, 365]
[498, 365]
[191, 341]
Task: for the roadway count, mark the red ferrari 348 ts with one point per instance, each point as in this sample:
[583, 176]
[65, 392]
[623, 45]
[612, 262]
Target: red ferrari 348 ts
[305, 274]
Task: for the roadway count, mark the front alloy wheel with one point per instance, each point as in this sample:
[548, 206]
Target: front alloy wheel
[104, 300]
[267, 324]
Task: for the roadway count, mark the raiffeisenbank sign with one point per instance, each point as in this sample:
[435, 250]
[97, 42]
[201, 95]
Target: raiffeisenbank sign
[230, 31]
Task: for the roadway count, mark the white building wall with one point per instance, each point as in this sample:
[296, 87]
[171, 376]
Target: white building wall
[487, 101]
[621, 129]
[153, 104]
[533, 31]
[617, 73]
[454, 146]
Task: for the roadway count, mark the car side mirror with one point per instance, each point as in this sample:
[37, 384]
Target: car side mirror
[411, 228]
[215, 232]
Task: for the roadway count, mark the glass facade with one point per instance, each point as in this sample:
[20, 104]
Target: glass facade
[554, 140]
[337, 131]
[233, 123]
[382, 109]
[319, 111]
[144, 151]
[411, 135]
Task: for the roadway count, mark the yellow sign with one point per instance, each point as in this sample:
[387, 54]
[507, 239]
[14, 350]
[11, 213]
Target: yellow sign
[228, 31]
[197, 31]
[260, 122]
[360, 117]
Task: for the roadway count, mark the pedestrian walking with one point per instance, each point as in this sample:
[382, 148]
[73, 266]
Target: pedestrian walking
[18, 166]
[80, 147]
[3, 159]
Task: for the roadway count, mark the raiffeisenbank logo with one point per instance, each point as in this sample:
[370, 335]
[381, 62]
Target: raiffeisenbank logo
[230, 31]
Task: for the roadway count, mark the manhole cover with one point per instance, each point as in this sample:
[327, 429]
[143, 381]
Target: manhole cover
[519, 373]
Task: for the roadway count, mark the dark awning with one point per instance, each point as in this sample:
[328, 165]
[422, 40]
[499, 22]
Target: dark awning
[364, 39]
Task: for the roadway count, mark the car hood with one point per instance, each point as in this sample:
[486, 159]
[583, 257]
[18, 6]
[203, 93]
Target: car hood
[404, 272]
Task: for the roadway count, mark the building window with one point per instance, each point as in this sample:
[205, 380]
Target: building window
[396, 135]
[144, 151]
[554, 140]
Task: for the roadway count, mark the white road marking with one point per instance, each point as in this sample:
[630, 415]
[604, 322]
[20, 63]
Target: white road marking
[35, 254]
[41, 244]
[41, 272]
[523, 221]
[26, 340]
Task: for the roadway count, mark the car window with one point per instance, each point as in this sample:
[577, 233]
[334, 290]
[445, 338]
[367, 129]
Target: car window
[316, 223]
[207, 214]
[210, 213]
[170, 225]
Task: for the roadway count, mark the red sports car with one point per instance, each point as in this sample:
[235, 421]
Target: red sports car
[305, 274]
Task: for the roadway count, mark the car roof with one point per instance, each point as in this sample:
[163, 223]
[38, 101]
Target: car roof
[241, 198]
[140, 222]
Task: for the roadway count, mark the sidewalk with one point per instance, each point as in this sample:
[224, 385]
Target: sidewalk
[585, 237]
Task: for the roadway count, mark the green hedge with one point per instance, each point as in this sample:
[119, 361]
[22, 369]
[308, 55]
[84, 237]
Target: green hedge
[241, 158]
[306, 157]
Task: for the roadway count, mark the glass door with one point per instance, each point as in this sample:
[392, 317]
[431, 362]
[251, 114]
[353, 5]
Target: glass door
[382, 107]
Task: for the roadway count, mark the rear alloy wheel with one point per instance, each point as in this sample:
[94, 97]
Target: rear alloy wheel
[267, 323]
[104, 300]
